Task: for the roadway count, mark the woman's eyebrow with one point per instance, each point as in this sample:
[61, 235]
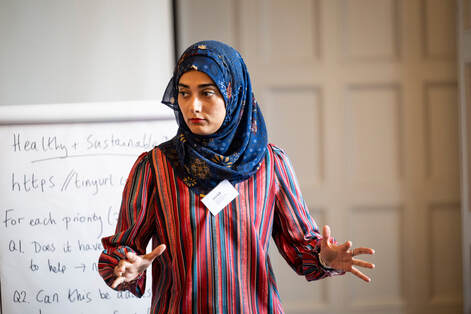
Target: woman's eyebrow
[183, 85]
[206, 85]
[199, 86]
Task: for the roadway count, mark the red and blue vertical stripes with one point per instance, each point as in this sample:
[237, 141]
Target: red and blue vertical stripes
[213, 264]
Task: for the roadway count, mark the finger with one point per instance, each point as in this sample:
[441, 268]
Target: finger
[155, 253]
[117, 282]
[361, 263]
[363, 250]
[360, 275]
[131, 256]
[326, 235]
[346, 246]
[120, 268]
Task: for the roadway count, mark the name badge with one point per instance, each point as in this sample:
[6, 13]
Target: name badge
[219, 197]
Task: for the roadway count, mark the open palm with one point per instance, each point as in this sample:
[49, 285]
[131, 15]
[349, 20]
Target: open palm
[129, 269]
[341, 257]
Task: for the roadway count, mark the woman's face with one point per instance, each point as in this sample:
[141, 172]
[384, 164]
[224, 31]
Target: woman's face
[201, 103]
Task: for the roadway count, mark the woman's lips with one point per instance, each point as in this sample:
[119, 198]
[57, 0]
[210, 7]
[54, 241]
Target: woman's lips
[196, 120]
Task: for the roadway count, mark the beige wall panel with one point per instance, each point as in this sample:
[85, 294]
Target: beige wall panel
[466, 14]
[369, 29]
[385, 229]
[343, 84]
[294, 116]
[297, 294]
[445, 247]
[441, 123]
[468, 117]
[289, 30]
[439, 28]
[207, 19]
[372, 134]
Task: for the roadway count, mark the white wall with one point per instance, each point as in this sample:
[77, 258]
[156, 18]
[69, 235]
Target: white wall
[55, 51]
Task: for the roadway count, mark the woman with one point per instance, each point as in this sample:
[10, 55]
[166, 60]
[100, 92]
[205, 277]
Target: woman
[210, 261]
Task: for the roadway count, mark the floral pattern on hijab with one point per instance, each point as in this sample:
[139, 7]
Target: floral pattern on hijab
[236, 150]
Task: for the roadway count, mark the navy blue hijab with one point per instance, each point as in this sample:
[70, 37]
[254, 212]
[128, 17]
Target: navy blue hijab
[236, 150]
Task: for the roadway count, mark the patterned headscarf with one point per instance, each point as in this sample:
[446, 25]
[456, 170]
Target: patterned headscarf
[236, 150]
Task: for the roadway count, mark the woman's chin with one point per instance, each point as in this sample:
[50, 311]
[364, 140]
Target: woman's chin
[202, 128]
[199, 130]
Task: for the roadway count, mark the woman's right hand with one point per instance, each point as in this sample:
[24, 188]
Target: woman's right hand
[128, 269]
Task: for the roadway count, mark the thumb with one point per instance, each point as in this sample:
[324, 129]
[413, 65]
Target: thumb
[155, 253]
[326, 235]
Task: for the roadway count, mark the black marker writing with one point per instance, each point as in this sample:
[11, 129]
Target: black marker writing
[19, 296]
[42, 221]
[9, 220]
[15, 246]
[75, 295]
[75, 180]
[39, 247]
[82, 219]
[56, 267]
[31, 183]
[44, 144]
[47, 298]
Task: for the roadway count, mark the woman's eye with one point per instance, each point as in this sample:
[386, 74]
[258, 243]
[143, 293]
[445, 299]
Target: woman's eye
[208, 93]
[183, 93]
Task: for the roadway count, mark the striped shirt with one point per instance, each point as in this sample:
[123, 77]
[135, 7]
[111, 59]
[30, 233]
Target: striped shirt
[213, 264]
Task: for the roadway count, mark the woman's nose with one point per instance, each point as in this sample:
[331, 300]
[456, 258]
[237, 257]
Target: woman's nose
[195, 104]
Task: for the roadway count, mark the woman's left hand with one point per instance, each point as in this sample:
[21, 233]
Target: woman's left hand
[341, 257]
